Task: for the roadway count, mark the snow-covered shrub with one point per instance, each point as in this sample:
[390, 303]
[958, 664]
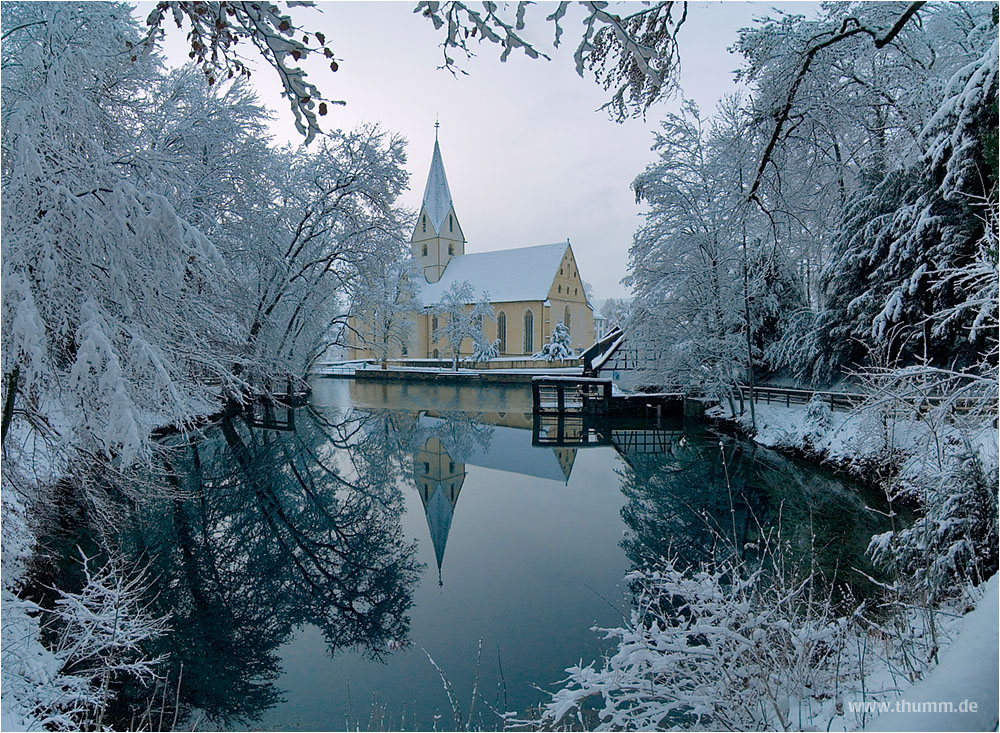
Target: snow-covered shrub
[36, 693]
[485, 350]
[819, 419]
[954, 541]
[559, 345]
[98, 636]
[720, 646]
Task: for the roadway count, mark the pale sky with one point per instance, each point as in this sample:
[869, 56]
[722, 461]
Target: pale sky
[529, 158]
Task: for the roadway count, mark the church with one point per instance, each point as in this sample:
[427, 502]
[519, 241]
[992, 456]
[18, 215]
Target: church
[530, 289]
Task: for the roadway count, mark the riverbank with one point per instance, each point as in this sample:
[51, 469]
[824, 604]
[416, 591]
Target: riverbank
[912, 459]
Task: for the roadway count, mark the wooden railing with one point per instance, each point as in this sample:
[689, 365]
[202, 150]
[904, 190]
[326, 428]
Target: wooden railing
[848, 401]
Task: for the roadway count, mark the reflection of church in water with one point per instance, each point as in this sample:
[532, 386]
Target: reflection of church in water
[439, 477]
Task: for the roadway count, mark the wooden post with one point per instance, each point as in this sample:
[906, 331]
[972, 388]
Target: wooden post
[560, 398]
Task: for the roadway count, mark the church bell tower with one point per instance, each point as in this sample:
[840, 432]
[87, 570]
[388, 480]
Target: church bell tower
[437, 237]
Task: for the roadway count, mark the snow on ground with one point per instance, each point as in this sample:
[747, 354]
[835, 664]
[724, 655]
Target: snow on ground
[967, 673]
[968, 662]
[846, 438]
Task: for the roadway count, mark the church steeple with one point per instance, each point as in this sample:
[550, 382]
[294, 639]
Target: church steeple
[437, 237]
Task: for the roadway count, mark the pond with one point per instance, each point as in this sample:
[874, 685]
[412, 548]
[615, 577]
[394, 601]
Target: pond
[315, 562]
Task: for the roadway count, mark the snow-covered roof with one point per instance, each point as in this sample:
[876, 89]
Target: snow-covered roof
[509, 449]
[525, 273]
[437, 195]
[598, 316]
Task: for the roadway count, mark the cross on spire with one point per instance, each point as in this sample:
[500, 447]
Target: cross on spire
[437, 124]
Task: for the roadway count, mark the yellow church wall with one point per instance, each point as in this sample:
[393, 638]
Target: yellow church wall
[568, 292]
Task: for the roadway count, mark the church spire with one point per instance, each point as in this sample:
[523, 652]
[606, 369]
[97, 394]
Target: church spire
[437, 236]
[437, 195]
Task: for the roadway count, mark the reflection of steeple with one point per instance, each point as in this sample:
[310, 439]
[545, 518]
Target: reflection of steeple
[439, 481]
[566, 457]
[439, 512]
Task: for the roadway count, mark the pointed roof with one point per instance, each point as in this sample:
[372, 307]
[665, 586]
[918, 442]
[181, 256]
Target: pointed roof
[437, 195]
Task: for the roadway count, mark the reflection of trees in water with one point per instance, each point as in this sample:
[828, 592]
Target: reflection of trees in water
[282, 529]
[678, 505]
[382, 442]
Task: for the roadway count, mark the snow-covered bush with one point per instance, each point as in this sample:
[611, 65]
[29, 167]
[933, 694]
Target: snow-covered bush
[819, 419]
[954, 541]
[485, 350]
[559, 345]
[98, 636]
[723, 645]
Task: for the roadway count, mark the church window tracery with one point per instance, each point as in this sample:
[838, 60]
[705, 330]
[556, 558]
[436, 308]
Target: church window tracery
[529, 332]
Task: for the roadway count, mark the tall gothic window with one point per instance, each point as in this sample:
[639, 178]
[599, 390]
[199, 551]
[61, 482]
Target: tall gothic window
[529, 332]
[566, 318]
[425, 250]
[450, 227]
[434, 325]
[451, 248]
[424, 223]
[502, 331]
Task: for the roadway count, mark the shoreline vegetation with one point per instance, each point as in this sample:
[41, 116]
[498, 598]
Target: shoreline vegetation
[164, 259]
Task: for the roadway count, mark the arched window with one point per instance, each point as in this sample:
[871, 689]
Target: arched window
[529, 332]
[502, 331]
[436, 354]
[566, 318]
[451, 248]
[425, 250]
[450, 227]
[434, 325]
[560, 288]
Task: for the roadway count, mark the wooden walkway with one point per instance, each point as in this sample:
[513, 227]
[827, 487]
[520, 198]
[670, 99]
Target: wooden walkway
[588, 395]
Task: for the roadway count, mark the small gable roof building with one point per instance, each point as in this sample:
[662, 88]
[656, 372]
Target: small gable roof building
[530, 289]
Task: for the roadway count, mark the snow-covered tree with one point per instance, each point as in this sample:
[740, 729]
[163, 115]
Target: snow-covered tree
[633, 55]
[114, 299]
[383, 301]
[217, 27]
[460, 317]
[559, 345]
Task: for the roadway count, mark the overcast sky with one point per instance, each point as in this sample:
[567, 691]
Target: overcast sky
[529, 158]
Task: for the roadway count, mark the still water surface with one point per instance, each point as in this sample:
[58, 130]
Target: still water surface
[318, 560]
